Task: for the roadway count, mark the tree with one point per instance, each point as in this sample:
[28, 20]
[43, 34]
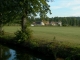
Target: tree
[12, 9]
[7, 12]
[24, 8]
[30, 7]
[75, 21]
[3, 12]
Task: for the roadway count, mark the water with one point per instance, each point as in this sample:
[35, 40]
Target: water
[11, 54]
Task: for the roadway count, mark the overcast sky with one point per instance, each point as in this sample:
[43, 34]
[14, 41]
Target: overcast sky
[65, 8]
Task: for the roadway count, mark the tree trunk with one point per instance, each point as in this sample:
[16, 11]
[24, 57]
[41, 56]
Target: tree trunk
[0, 24]
[1, 50]
[0, 28]
[23, 23]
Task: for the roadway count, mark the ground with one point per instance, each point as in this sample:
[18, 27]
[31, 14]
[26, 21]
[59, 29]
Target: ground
[66, 35]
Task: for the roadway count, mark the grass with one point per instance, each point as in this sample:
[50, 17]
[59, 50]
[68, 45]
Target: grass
[51, 40]
[11, 29]
[66, 35]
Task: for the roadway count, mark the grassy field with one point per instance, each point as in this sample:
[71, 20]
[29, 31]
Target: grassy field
[63, 34]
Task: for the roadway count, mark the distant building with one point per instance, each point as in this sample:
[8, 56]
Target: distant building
[38, 23]
[32, 25]
[42, 23]
[56, 23]
[47, 23]
[60, 23]
[53, 23]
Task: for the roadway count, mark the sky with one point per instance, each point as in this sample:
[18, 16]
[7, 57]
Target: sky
[64, 8]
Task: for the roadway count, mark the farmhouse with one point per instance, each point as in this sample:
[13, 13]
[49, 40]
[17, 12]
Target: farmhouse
[43, 23]
[38, 23]
[60, 23]
[56, 23]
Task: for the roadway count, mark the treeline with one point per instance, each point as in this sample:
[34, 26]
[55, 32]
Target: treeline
[66, 21]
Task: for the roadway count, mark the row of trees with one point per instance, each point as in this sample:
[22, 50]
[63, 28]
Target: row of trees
[66, 21]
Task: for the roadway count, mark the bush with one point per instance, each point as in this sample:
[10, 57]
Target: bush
[2, 32]
[33, 44]
[23, 36]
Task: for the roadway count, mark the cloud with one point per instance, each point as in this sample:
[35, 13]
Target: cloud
[70, 4]
[76, 8]
[76, 14]
[55, 7]
[70, 7]
[73, 3]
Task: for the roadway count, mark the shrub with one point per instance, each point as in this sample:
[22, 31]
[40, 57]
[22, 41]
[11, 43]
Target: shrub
[23, 36]
[33, 44]
[2, 32]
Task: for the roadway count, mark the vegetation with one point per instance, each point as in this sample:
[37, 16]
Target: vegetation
[4, 56]
[23, 37]
[49, 34]
[49, 44]
[50, 38]
[22, 10]
[66, 21]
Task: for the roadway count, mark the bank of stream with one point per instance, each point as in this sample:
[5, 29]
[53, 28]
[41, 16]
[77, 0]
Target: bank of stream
[49, 51]
[7, 53]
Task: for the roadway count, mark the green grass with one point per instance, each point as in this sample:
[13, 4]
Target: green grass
[66, 35]
[11, 29]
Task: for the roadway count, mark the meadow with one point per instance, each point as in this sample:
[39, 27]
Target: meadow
[66, 35]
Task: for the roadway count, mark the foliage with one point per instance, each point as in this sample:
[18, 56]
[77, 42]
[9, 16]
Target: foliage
[2, 32]
[22, 9]
[4, 53]
[23, 36]
[7, 12]
[33, 44]
[66, 21]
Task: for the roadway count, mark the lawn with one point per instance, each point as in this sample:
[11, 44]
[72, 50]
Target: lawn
[69, 35]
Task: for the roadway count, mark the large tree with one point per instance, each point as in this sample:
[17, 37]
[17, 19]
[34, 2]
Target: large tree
[23, 9]
[30, 7]
[8, 11]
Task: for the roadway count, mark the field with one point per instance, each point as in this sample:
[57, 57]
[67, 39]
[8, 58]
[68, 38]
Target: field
[68, 35]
